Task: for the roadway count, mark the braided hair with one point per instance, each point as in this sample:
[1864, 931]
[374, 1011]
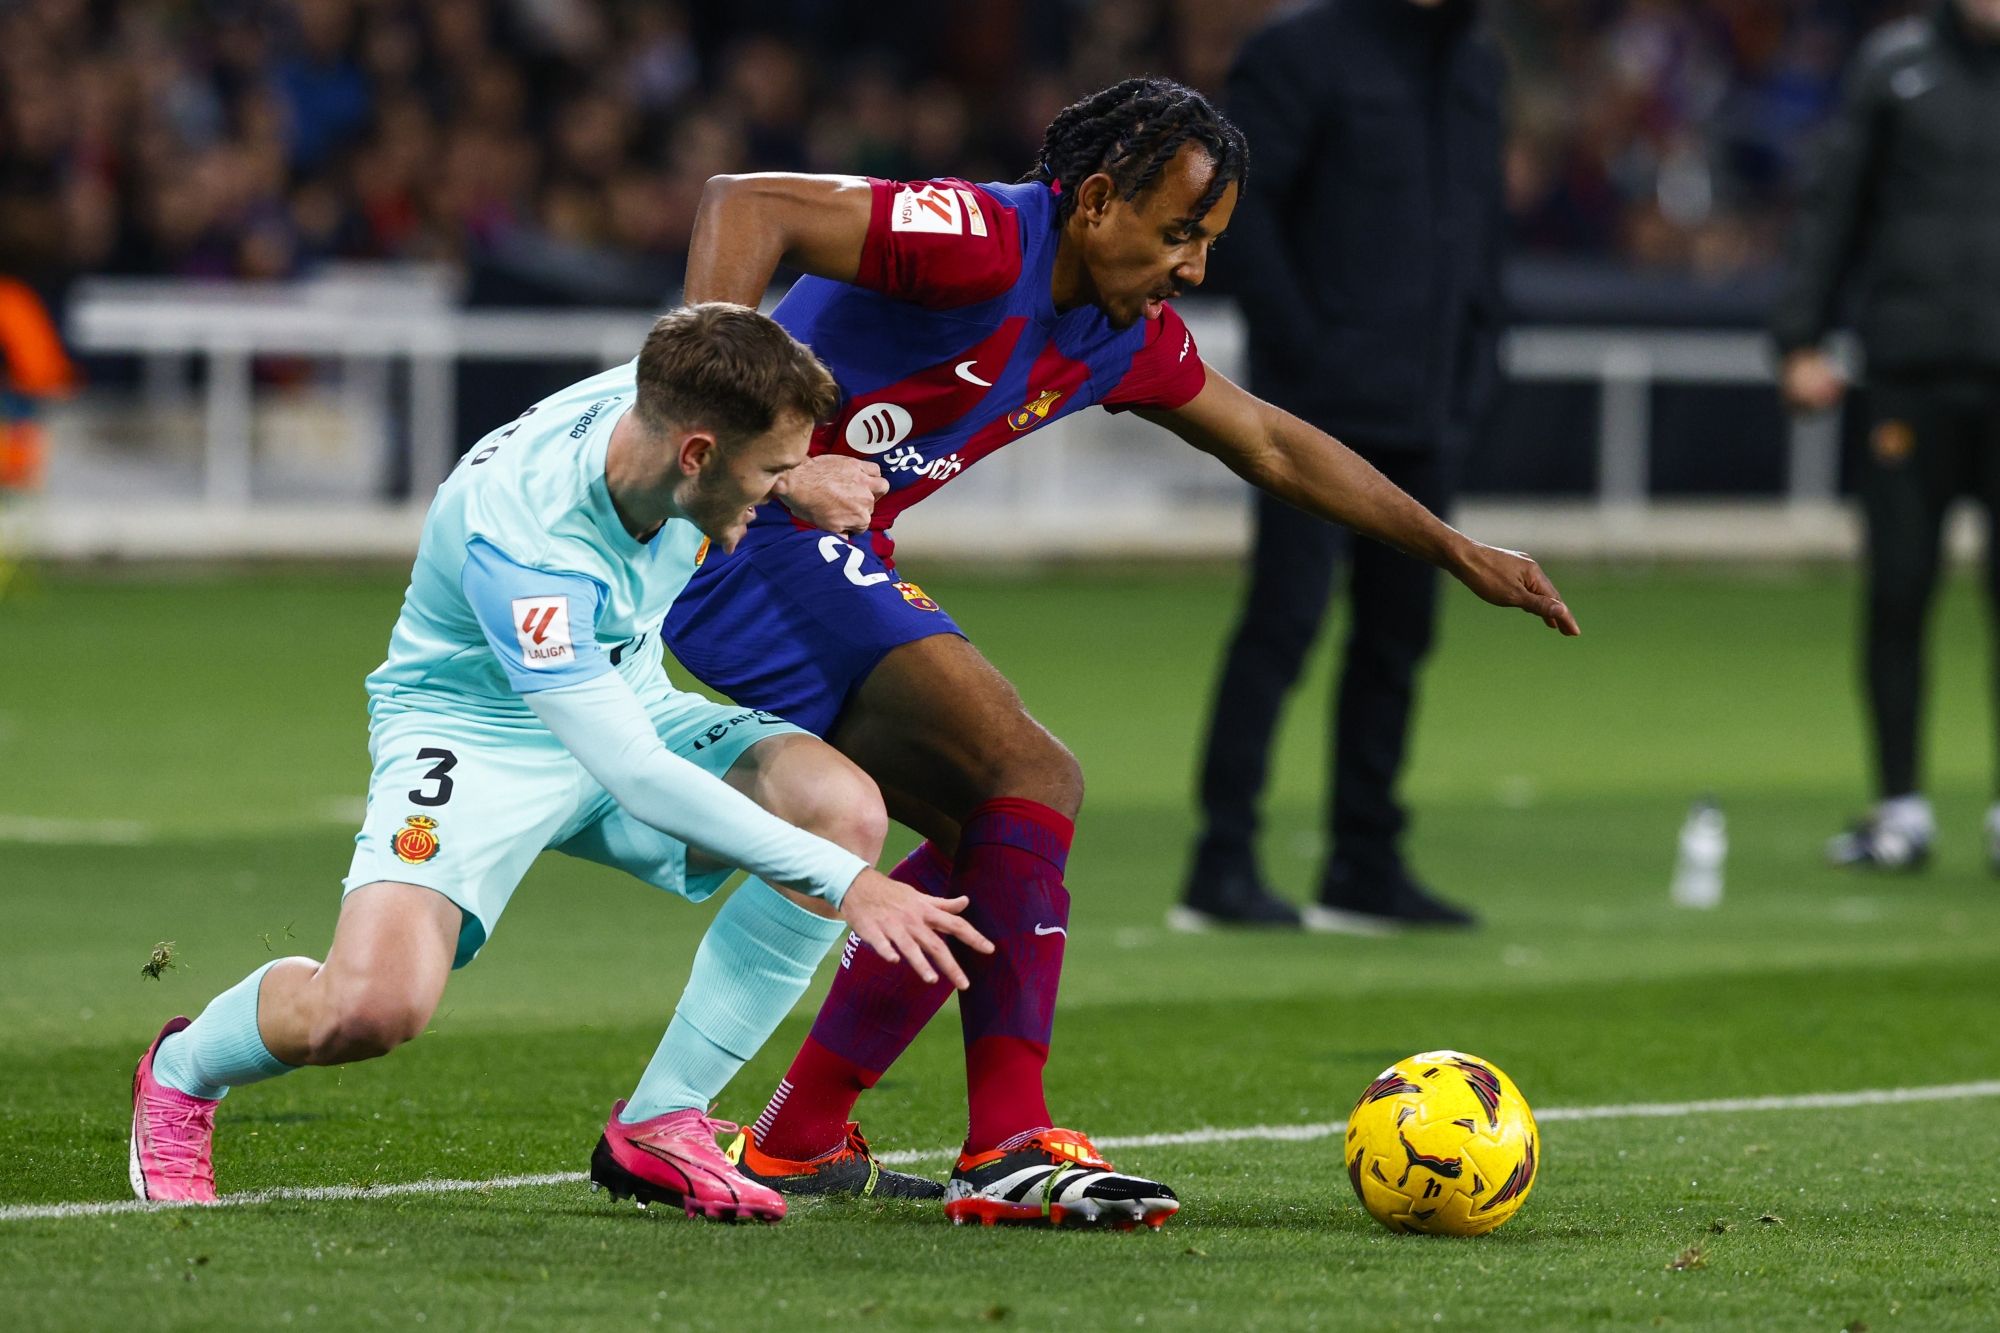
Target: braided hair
[1131, 131]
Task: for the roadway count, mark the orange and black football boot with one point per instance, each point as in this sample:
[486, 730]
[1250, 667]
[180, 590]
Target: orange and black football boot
[849, 1168]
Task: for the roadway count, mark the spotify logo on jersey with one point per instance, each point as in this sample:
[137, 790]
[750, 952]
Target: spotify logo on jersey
[876, 427]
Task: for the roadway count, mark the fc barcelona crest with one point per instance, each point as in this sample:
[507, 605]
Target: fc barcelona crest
[1036, 412]
[915, 597]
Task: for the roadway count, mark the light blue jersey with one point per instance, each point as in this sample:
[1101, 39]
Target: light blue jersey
[527, 586]
[526, 578]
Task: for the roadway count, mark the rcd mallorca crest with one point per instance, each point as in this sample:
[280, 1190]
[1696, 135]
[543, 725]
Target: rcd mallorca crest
[417, 841]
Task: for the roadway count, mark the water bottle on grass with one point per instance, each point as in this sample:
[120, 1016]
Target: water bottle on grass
[1698, 868]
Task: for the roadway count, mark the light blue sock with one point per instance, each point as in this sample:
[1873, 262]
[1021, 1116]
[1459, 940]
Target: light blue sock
[222, 1049]
[756, 960]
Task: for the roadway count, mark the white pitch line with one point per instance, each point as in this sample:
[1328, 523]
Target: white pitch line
[1810, 1101]
[310, 1194]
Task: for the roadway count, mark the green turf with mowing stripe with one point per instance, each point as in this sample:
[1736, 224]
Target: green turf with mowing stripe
[218, 722]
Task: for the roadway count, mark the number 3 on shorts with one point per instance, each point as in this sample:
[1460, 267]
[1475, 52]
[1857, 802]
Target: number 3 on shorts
[440, 774]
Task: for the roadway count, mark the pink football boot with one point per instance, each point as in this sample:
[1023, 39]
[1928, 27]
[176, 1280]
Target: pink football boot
[171, 1135]
[673, 1159]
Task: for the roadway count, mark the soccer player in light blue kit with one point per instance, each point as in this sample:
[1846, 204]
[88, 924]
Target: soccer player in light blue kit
[523, 707]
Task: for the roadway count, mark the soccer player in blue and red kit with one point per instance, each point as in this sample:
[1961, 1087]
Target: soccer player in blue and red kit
[958, 319]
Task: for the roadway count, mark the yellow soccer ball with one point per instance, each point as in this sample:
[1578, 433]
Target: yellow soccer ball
[1442, 1143]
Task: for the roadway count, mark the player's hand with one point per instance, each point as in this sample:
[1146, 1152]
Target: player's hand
[1509, 578]
[905, 925]
[1811, 381]
[833, 492]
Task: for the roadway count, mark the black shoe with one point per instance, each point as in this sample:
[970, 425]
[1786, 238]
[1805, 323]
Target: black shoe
[1381, 905]
[1236, 896]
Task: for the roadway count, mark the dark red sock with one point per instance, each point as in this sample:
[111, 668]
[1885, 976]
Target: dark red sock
[871, 1015]
[1011, 855]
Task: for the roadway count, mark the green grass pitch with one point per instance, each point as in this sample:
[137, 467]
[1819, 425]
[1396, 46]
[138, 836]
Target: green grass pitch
[183, 760]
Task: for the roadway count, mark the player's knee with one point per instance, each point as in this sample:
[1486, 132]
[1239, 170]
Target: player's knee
[1037, 767]
[366, 1022]
[1067, 776]
[865, 824]
[845, 807]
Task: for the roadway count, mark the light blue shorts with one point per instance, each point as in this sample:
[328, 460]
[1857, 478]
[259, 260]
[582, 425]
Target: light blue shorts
[465, 807]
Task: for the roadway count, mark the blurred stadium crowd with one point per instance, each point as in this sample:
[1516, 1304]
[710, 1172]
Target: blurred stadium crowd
[565, 142]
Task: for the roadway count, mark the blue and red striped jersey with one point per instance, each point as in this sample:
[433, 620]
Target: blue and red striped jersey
[948, 346]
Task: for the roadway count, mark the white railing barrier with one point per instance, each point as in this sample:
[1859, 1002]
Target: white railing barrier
[1096, 483]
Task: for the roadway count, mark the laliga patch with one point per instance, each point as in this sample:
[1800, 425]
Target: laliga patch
[541, 625]
[417, 841]
[915, 597]
[934, 208]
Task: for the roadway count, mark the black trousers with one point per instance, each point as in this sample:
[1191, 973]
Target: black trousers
[1933, 438]
[1294, 563]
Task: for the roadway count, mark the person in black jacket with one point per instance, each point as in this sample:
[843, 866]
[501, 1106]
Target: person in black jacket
[1904, 205]
[1366, 262]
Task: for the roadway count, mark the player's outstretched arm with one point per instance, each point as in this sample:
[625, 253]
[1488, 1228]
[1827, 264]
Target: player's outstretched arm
[601, 722]
[748, 225]
[590, 709]
[1307, 468]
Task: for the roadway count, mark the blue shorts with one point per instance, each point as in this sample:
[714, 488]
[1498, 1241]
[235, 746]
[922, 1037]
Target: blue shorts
[465, 807]
[794, 621]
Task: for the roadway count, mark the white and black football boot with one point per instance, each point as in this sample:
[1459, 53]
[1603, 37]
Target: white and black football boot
[1053, 1177]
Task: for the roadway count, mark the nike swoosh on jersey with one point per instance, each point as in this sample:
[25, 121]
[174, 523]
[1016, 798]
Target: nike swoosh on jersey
[968, 376]
[1053, 930]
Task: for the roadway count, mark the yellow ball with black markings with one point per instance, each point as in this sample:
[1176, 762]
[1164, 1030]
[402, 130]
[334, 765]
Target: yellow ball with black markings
[1442, 1143]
